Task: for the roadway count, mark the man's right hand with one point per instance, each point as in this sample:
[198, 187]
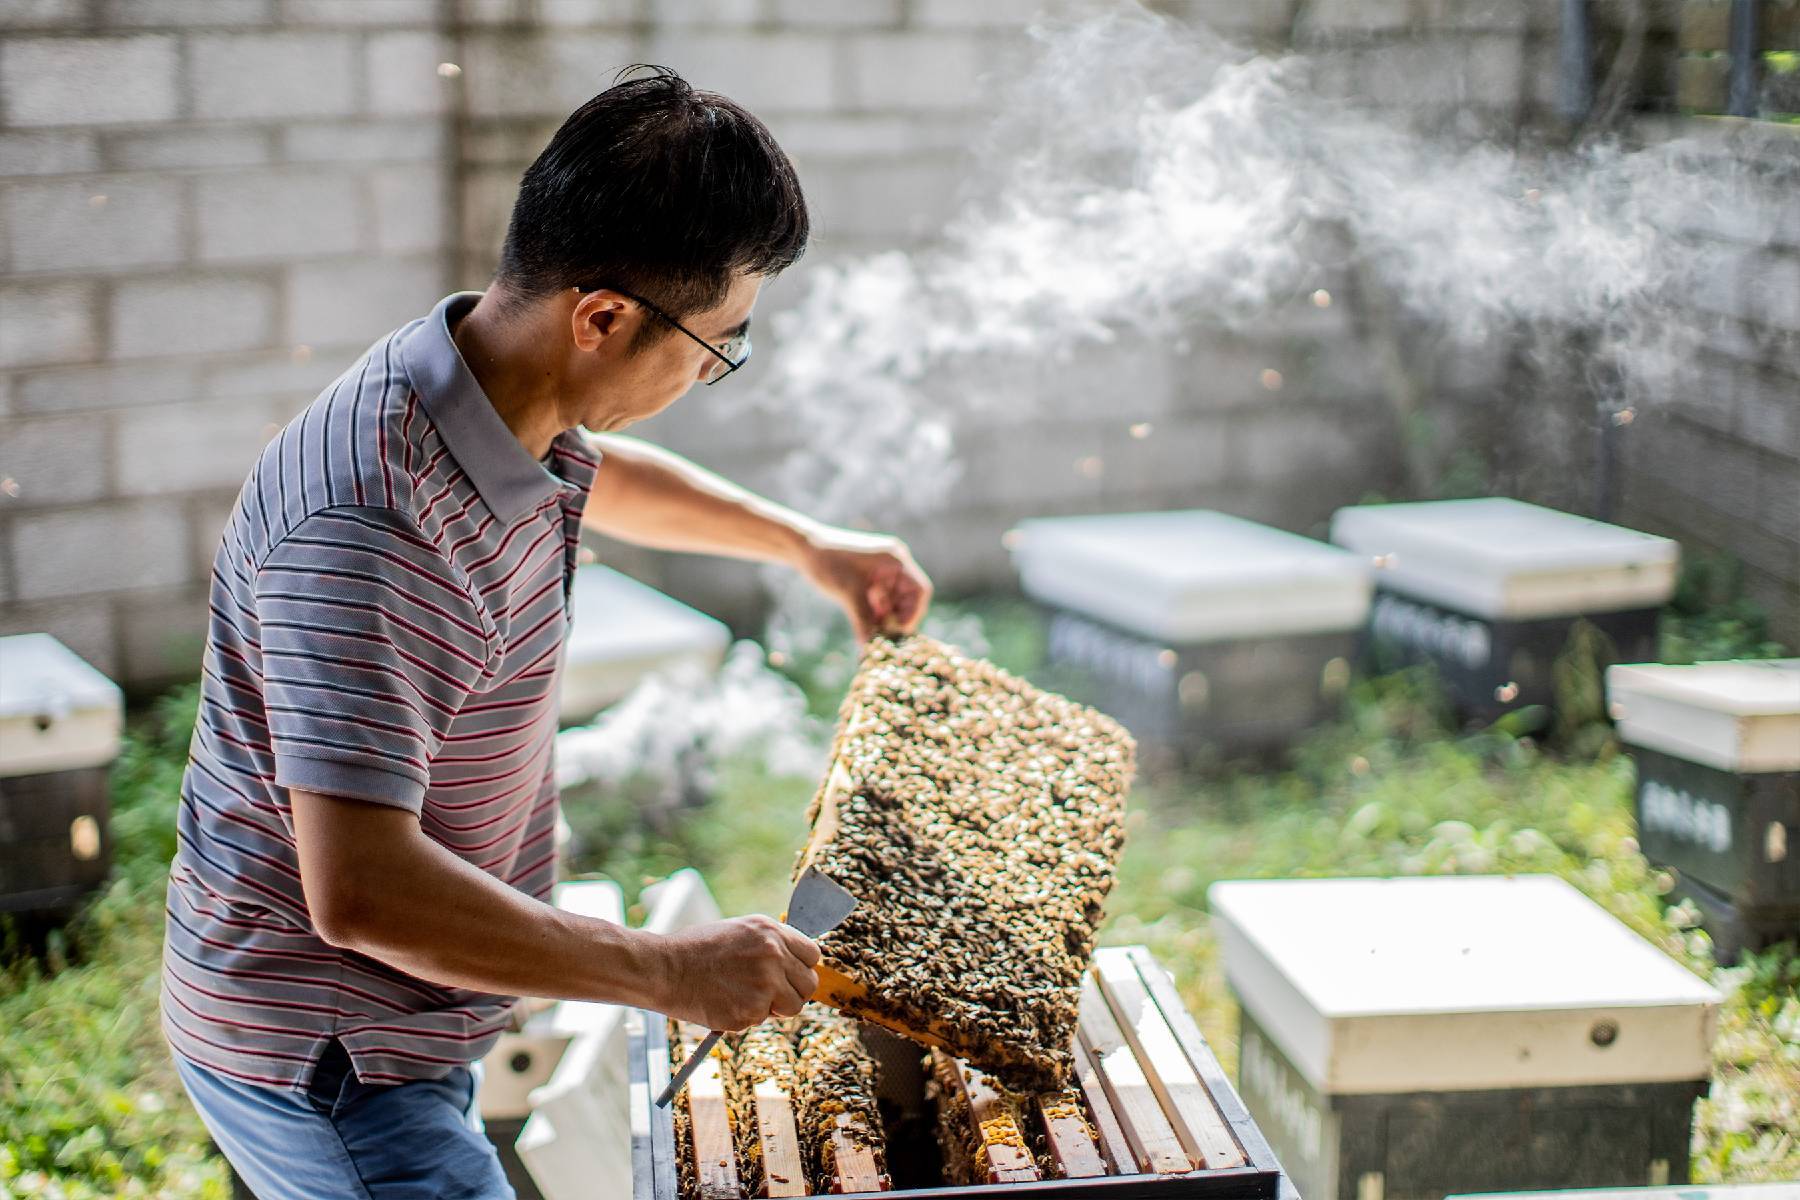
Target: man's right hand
[733, 974]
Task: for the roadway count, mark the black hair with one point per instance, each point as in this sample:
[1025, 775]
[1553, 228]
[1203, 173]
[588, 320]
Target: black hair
[656, 188]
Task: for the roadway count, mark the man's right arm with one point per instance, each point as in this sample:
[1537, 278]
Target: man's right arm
[376, 884]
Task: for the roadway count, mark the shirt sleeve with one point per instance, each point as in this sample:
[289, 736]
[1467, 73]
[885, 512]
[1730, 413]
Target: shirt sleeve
[371, 643]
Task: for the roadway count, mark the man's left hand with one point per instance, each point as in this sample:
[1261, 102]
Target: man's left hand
[872, 576]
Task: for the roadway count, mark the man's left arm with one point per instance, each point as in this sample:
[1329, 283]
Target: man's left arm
[654, 497]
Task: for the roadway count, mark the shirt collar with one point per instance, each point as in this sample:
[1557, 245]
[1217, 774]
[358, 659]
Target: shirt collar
[509, 480]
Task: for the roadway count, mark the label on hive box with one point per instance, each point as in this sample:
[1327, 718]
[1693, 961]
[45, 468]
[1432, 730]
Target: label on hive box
[1466, 641]
[1289, 1112]
[1678, 813]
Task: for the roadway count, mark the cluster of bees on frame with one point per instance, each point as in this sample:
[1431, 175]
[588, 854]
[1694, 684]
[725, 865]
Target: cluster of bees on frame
[819, 1061]
[980, 834]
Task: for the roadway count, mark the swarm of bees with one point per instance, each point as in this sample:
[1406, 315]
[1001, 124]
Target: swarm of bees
[978, 820]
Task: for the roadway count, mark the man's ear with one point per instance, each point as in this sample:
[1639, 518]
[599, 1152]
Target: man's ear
[602, 315]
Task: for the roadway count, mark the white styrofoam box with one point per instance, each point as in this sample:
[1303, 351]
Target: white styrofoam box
[522, 1060]
[57, 713]
[1505, 559]
[623, 630]
[1191, 576]
[1458, 983]
[1738, 716]
[577, 1142]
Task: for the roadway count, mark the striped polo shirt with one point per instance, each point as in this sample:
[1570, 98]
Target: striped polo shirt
[389, 605]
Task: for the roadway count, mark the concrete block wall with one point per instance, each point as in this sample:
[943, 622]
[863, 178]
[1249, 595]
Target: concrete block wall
[1718, 464]
[208, 209]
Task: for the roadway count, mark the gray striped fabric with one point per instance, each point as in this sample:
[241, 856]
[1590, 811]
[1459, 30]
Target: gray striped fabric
[389, 604]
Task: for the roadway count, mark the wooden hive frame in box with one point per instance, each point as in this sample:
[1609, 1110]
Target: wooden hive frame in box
[1149, 1116]
[978, 821]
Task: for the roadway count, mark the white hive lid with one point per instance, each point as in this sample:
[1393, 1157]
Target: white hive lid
[1686, 1191]
[623, 630]
[1500, 558]
[1451, 983]
[1191, 576]
[1741, 715]
[57, 713]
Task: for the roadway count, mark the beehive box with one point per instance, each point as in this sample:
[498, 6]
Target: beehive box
[1149, 1114]
[1407, 1038]
[1717, 747]
[1488, 591]
[621, 631]
[1196, 629]
[60, 721]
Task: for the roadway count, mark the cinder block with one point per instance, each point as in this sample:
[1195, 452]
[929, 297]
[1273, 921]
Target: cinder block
[100, 548]
[707, 13]
[112, 385]
[556, 14]
[166, 14]
[162, 637]
[872, 135]
[257, 75]
[994, 14]
[182, 149]
[1771, 290]
[47, 323]
[352, 302]
[88, 80]
[53, 460]
[914, 70]
[1261, 19]
[840, 14]
[174, 448]
[42, 14]
[64, 152]
[410, 213]
[288, 372]
[1768, 414]
[767, 73]
[278, 214]
[406, 140]
[403, 73]
[511, 74]
[1778, 500]
[186, 315]
[207, 517]
[1511, 15]
[84, 626]
[488, 194]
[105, 224]
[907, 199]
[1333, 20]
[1494, 74]
[390, 14]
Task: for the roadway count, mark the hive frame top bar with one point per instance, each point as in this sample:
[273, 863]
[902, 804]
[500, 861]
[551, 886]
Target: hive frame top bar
[1260, 1178]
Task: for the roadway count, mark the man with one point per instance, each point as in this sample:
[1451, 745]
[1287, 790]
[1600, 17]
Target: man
[367, 819]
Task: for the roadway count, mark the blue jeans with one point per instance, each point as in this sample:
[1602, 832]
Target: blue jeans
[345, 1138]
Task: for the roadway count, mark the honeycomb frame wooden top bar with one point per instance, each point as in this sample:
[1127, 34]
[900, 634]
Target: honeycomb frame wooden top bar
[978, 819]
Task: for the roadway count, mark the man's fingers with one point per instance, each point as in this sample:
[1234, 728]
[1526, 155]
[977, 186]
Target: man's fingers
[801, 946]
[789, 1002]
[803, 980]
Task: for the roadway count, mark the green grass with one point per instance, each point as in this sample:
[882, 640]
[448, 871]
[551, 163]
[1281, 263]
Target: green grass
[90, 1107]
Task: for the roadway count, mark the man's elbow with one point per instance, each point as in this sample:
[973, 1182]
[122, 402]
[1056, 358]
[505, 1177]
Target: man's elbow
[342, 914]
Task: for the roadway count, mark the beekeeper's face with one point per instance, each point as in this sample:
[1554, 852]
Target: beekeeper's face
[634, 362]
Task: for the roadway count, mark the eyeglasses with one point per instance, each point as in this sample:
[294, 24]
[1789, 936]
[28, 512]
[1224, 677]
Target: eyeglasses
[734, 351]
